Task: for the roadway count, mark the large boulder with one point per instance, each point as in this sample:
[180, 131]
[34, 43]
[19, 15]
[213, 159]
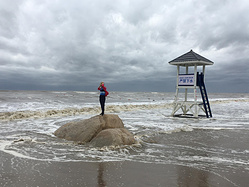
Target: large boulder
[81, 131]
[111, 121]
[108, 137]
[99, 131]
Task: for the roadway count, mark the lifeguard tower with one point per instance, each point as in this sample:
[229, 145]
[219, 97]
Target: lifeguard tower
[193, 81]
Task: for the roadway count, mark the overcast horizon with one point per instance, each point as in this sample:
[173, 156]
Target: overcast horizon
[74, 45]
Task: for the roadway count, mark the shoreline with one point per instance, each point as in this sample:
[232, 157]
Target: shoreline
[24, 172]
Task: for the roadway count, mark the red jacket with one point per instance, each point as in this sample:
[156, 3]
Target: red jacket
[104, 88]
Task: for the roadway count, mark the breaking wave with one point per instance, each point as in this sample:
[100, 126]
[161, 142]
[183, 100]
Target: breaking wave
[16, 115]
[228, 101]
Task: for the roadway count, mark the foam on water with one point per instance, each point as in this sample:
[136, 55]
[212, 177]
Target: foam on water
[29, 120]
[77, 111]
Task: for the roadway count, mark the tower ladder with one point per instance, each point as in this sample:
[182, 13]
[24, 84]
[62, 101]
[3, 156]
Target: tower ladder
[204, 96]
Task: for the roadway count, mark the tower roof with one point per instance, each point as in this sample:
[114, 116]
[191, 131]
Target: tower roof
[190, 59]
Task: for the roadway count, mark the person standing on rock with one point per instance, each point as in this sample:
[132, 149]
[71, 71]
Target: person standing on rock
[103, 94]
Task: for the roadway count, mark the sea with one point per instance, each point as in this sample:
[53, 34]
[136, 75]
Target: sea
[28, 120]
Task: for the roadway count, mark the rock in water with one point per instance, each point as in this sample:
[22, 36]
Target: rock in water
[117, 136]
[99, 130]
[81, 131]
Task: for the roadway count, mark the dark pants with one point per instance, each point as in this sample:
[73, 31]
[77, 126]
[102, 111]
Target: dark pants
[102, 103]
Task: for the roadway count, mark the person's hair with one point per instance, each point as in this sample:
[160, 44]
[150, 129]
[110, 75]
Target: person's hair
[101, 83]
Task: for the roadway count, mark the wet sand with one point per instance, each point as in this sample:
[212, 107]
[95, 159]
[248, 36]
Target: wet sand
[24, 172]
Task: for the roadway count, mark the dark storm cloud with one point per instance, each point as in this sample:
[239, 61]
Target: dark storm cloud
[76, 44]
[231, 77]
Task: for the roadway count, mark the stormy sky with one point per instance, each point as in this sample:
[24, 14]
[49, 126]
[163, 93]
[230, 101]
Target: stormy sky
[74, 45]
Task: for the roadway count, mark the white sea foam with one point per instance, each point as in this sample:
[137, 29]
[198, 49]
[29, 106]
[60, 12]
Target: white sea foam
[7, 116]
[4, 147]
[215, 160]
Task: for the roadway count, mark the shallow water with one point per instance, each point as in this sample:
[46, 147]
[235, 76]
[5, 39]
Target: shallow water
[219, 144]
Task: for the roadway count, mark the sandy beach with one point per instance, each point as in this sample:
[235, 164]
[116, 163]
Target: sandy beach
[35, 173]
